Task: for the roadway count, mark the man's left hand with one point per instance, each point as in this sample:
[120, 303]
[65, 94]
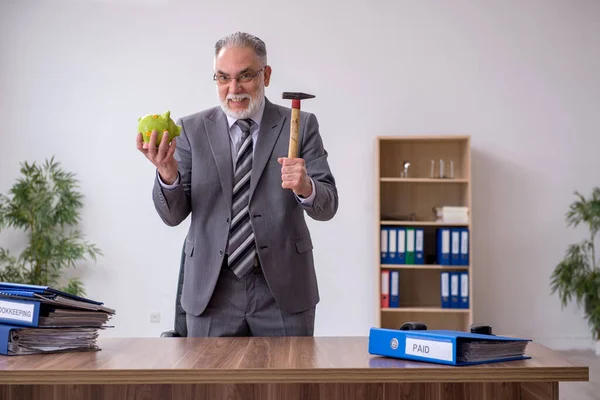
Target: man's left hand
[293, 176]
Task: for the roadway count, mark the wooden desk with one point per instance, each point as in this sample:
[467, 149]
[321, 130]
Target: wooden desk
[271, 368]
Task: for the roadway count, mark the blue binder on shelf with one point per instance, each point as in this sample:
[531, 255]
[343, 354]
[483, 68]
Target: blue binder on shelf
[454, 289]
[392, 245]
[445, 289]
[443, 246]
[446, 346]
[464, 289]
[464, 246]
[384, 243]
[454, 246]
[401, 245]
[394, 289]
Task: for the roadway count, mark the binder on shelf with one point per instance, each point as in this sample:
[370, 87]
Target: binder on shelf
[446, 346]
[394, 289]
[392, 245]
[443, 246]
[464, 246]
[454, 289]
[385, 289]
[384, 244]
[464, 289]
[455, 246]
[410, 245]
[401, 246]
[445, 289]
[419, 244]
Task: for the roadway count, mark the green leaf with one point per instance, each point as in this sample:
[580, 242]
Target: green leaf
[75, 287]
[585, 211]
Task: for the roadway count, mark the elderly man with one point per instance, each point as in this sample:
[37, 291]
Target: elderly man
[249, 268]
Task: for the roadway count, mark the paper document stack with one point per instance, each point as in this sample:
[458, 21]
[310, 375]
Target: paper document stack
[450, 214]
[39, 319]
[472, 350]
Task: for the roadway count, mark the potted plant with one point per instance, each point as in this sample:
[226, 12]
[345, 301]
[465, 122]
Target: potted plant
[578, 274]
[44, 203]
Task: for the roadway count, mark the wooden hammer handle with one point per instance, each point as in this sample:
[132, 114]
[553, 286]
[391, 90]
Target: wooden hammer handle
[294, 127]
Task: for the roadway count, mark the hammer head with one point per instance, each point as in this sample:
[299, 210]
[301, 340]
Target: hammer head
[296, 96]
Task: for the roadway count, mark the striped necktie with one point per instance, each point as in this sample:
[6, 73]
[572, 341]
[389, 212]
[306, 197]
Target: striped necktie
[241, 236]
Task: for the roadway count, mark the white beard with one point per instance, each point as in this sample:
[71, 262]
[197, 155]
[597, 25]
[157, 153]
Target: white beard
[253, 105]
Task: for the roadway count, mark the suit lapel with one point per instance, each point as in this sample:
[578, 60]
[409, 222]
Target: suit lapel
[218, 137]
[270, 128]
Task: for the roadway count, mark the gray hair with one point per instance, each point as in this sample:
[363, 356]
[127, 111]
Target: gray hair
[242, 39]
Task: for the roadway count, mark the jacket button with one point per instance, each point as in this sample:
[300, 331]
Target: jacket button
[221, 252]
[227, 219]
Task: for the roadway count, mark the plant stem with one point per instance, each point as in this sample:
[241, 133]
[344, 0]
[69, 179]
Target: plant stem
[593, 252]
[35, 271]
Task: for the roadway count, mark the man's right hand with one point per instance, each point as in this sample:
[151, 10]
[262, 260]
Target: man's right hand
[161, 156]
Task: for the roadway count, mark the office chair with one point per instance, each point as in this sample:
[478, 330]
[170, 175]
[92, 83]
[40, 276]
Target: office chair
[180, 328]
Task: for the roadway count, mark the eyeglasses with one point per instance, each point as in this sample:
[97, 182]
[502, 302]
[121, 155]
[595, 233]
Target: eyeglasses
[244, 78]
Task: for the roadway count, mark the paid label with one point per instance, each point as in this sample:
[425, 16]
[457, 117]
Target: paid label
[429, 348]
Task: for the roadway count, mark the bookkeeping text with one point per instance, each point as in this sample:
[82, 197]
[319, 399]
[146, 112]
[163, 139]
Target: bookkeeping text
[15, 311]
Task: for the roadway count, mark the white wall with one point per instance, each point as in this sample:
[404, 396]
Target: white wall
[520, 77]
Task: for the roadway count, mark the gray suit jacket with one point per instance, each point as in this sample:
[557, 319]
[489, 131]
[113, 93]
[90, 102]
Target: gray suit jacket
[283, 241]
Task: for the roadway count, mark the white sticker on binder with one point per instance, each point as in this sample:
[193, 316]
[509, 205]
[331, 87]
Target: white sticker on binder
[464, 242]
[384, 240]
[401, 241]
[429, 348]
[393, 241]
[445, 284]
[16, 311]
[410, 240]
[419, 245]
[464, 284]
[445, 241]
[455, 242]
[395, 276]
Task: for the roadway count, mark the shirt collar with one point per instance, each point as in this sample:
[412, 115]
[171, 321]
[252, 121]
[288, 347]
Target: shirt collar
[256, 117]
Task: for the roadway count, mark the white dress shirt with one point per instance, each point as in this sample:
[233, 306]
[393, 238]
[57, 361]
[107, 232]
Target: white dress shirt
[235, 135]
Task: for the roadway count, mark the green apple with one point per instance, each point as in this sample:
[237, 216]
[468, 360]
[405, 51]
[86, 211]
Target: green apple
[160, 123]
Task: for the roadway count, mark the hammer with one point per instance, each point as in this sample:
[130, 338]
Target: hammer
[295, 122]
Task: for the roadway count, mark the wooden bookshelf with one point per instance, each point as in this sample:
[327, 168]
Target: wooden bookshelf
[409, 201]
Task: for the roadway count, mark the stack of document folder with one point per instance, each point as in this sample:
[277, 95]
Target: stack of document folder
[38, 319]
[452, 214]
[446, 346]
